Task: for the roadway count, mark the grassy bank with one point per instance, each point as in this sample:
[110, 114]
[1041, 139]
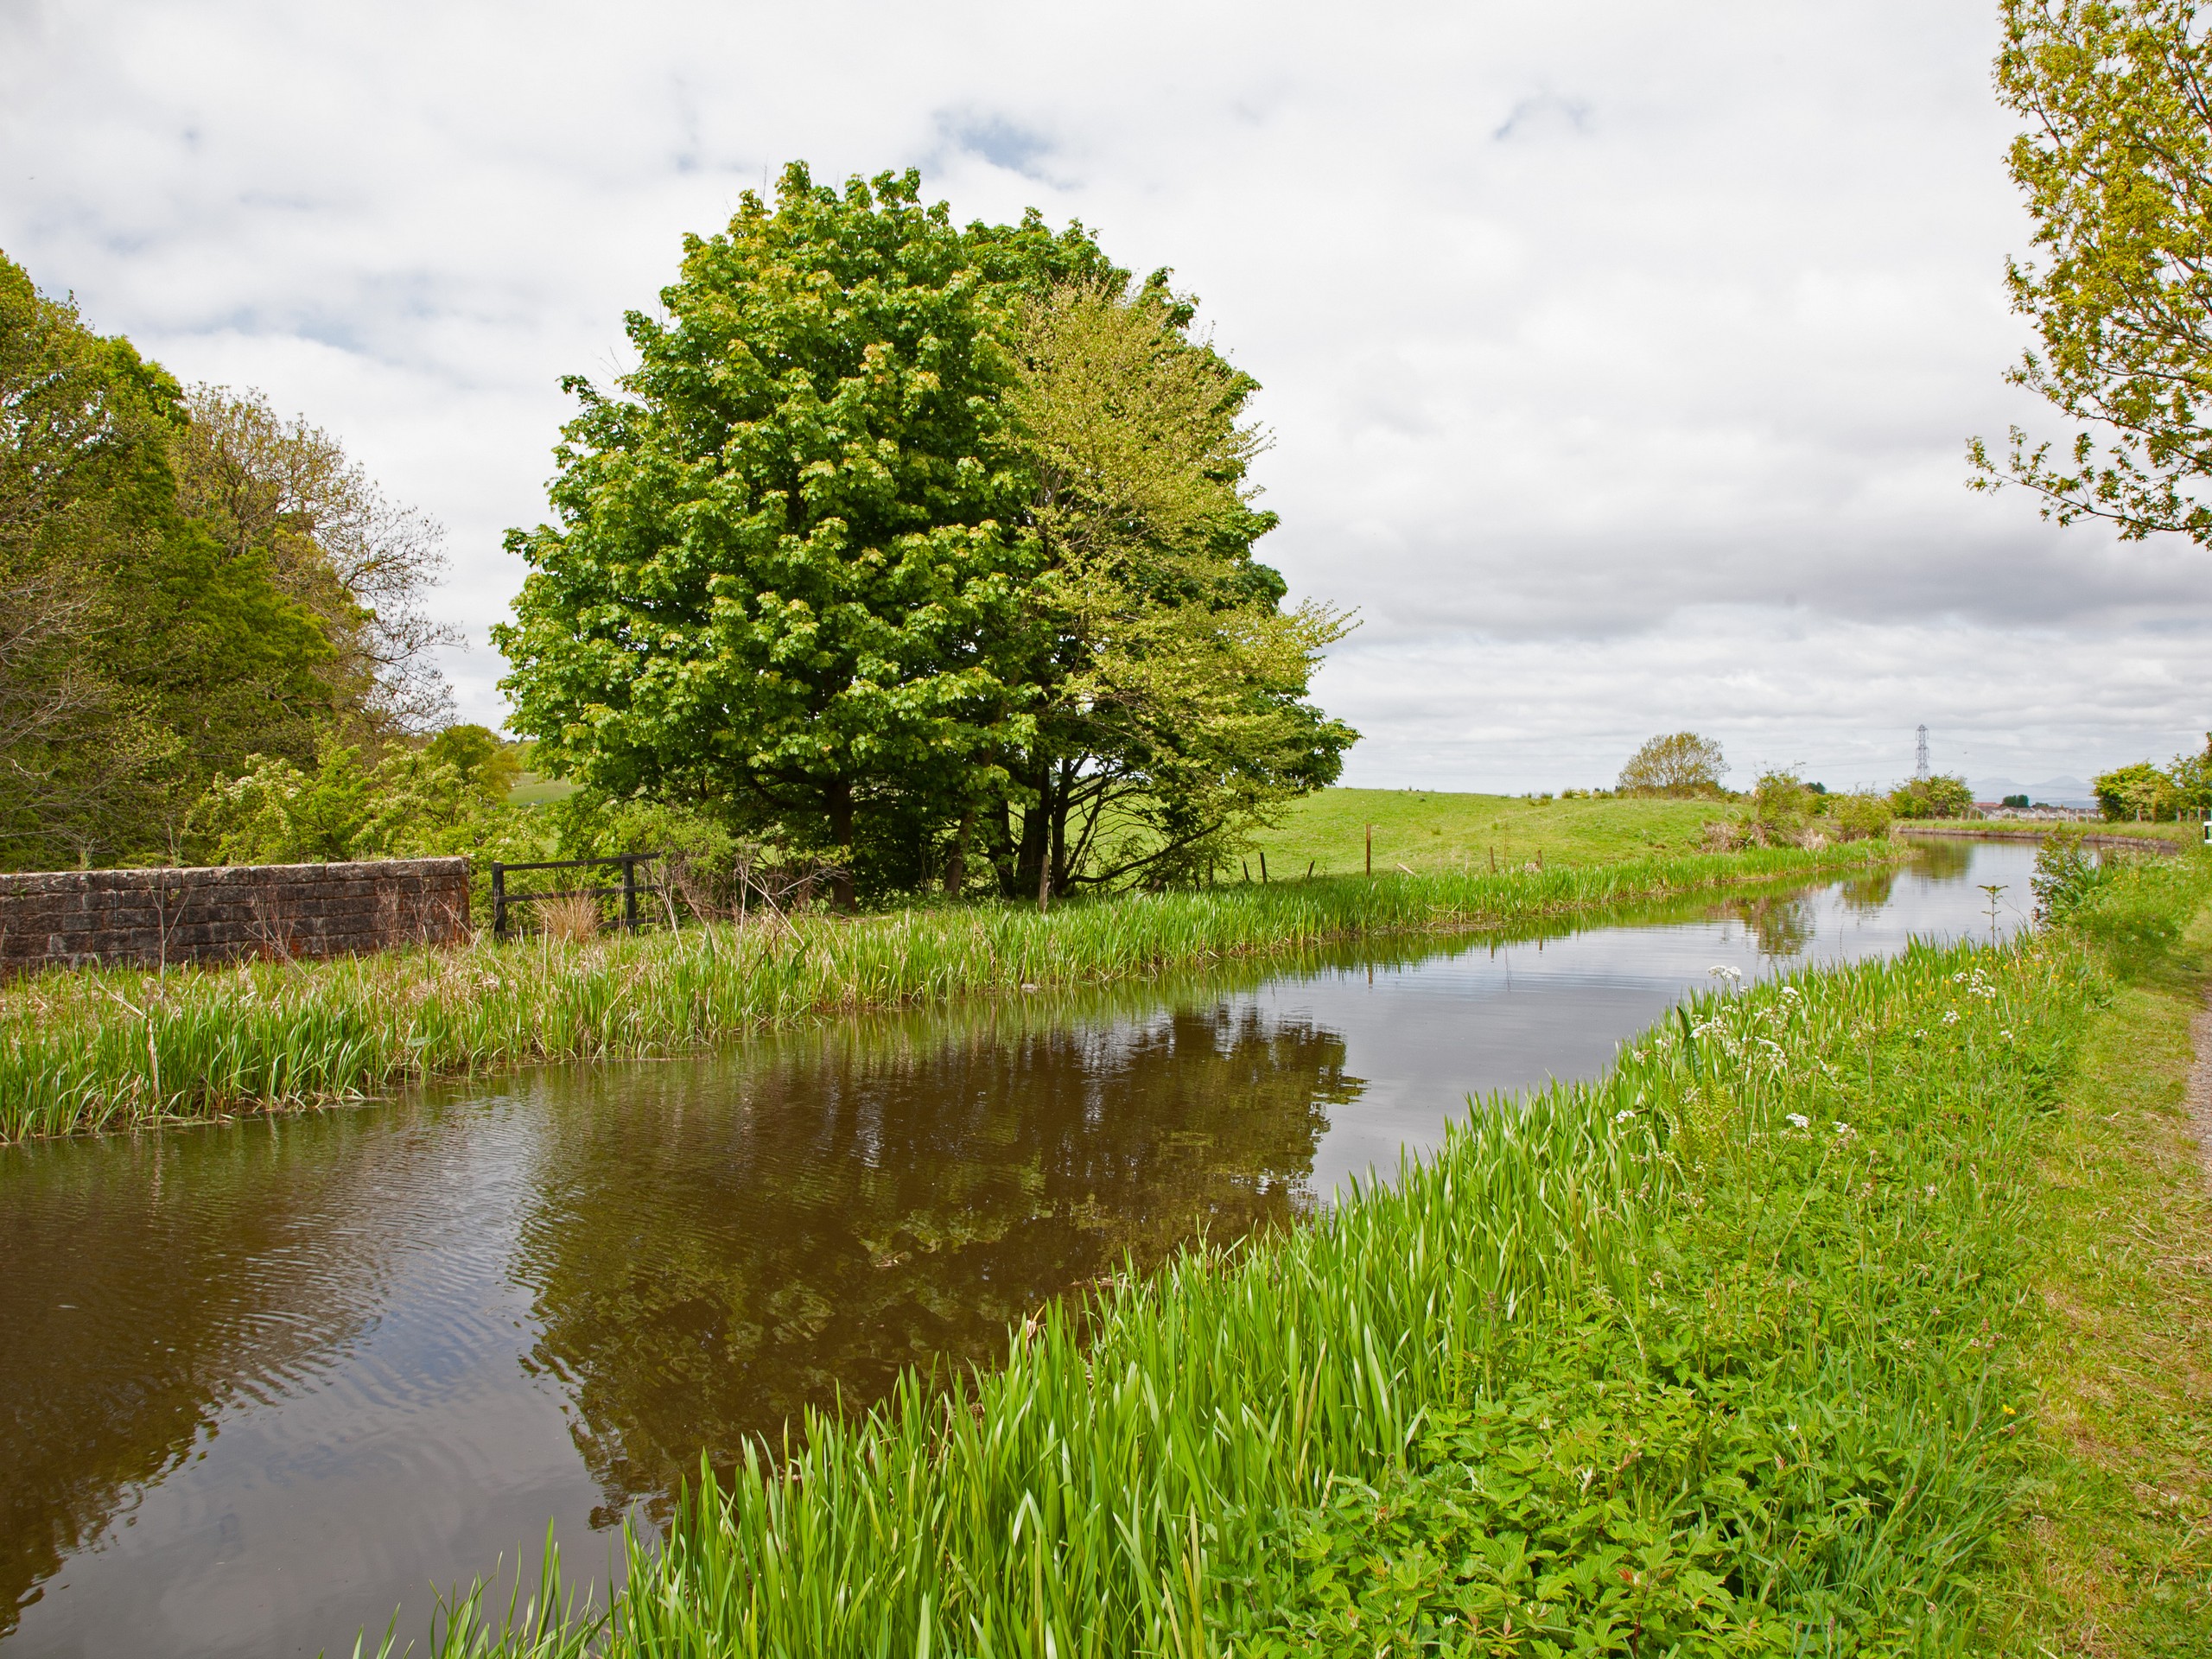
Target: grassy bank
[1736, 1351]
[1435, 830]
[2173, 835]
[107, 1050]
[2113, 1536]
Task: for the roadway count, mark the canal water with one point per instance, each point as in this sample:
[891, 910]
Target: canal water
[262, 1384]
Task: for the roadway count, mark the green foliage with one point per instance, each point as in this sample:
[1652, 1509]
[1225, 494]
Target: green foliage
[901, 537]
[157, 626]
[1682, 763]
[411, 803]
[2191, 778]
[779, 553]
[2067, 875]
[1169, 686]
[2133, 906]
[1860, 815]
[2140, 793]
[1943, 796]
[486, 763]
[1782, 808]
[2116, 166]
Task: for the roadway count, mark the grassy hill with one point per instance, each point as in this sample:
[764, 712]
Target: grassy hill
[1433, 830]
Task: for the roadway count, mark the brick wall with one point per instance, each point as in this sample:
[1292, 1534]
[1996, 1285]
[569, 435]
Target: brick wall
[81, 918]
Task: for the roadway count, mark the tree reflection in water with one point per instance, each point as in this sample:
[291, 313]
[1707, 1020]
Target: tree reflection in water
[734, 1239]
[150, 1282]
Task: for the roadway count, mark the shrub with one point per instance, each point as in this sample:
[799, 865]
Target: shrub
[1782, 806]
[1860, 815]
[1943, 796]
[2066, 876]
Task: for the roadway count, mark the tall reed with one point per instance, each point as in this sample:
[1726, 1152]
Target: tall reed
[123, 1048]
[1798, 1202]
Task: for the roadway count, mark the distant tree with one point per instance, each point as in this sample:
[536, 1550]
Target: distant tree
[2192, 778]
[2117, 169]
[2016, 800]
[284, 491]
[486, 763]
[1943, 796]
[1782, 806]
[2140, 792]
[1680, 764]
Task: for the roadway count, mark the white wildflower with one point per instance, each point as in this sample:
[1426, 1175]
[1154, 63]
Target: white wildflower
[2005, 1034]
[1844, 1130]
[1951, 1016]
[1623, 1116]
[1801, 1120]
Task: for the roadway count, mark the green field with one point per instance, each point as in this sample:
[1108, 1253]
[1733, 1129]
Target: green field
[1436, 829]
[530, 790]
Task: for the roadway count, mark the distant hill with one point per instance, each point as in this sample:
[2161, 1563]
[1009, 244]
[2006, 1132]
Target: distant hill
[2054, 791]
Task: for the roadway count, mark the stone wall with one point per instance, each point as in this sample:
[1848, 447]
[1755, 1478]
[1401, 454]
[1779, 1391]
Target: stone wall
[85, 917]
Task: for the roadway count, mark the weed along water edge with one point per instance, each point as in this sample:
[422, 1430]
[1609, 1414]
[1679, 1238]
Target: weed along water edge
[109, 1050]
[280, 1374]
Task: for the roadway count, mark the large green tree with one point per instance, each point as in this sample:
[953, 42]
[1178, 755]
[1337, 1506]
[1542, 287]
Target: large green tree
[137, 654]
[833, 561]
[1168, 684]
[2116, 166]
[190, 589]
[783, 545]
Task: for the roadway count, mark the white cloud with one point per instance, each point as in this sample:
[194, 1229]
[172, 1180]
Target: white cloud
[1621, 358]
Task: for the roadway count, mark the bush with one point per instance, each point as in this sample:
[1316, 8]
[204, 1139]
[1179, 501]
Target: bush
[1782, 807]
[2139, 791]
[1941, 797]
[1858, 816]
[2066, 875]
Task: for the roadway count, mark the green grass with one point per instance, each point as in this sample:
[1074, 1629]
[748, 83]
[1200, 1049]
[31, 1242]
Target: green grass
[126, 1048]
[1735, 1352]
[1435, 830]
[2113, 1528]
[530, 790]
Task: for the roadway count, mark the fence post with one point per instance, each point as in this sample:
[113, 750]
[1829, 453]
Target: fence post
[498, 900]
[630, 893]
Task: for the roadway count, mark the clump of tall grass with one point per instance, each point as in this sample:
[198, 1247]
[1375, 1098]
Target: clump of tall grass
[1710, 1355]
[570, 918]
[119, 1048]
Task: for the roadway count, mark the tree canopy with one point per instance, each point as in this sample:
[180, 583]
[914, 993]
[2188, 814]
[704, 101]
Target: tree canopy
[153, 632]
[2116, 166]
[1678, 763]
[903, 541]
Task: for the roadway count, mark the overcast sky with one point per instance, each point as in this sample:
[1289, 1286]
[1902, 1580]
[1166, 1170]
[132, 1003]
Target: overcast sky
[1620, 358]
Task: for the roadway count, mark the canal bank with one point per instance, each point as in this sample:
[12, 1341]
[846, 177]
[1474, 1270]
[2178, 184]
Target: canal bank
[308, 1365]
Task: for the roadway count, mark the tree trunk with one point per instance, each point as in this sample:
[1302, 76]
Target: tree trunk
[838, 797]
[956, 869]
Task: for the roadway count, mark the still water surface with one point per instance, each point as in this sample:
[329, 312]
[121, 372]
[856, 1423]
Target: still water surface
[262, 1384]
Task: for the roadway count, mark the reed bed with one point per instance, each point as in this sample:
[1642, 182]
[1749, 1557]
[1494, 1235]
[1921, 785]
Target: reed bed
[1713, 1356]
[114, 1049]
